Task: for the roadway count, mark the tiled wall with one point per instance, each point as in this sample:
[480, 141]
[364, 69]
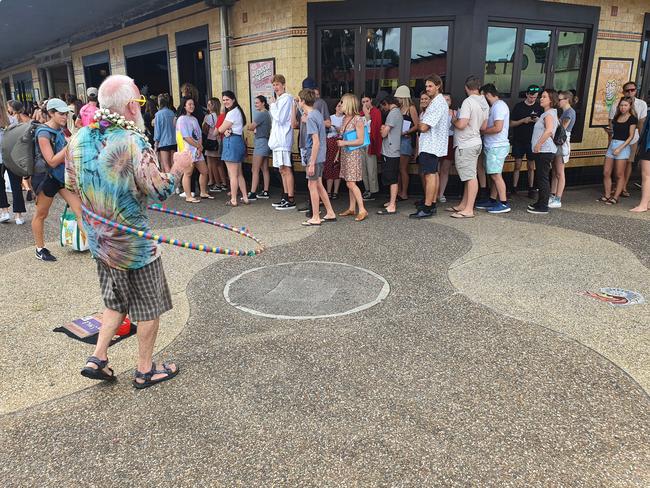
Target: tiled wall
[620, 37]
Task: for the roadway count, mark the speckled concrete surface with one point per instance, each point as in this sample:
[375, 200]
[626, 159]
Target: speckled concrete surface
[557, 265]
[429, 388]
[27, 324]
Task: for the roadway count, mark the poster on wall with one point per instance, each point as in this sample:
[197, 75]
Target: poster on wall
[611, 75]
[260, 75]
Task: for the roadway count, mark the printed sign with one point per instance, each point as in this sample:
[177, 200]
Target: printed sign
[260, 75]
[615, 297]
[611, 75]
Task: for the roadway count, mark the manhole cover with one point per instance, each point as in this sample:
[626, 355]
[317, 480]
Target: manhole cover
[306, 290]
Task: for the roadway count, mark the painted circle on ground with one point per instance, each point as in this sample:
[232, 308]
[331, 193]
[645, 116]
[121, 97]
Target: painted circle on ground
[305, 290]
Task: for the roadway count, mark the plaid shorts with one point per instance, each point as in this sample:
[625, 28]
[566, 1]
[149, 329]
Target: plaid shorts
[141, 293]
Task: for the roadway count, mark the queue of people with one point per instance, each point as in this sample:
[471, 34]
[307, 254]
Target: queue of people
[363, 136]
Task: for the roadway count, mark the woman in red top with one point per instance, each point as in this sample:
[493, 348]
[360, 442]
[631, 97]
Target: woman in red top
[373, 117]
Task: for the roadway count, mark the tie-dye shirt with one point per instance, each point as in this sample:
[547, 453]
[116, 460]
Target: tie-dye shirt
[116, 174]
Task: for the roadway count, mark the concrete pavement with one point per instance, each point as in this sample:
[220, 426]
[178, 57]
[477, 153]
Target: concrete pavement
[481, 367]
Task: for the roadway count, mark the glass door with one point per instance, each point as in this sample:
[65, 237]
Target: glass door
[382, 60]
[337, 65]
[429, 53]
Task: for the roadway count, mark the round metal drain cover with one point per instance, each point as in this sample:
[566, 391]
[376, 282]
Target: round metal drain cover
[305, 290]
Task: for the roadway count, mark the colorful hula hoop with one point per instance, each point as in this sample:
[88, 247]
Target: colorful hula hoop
[242, 231]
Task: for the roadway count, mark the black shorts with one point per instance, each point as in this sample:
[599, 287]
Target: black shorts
[644, 155]
[519, 150]
[390, 171]
[428, 163]
[167, 148]
[44, 183]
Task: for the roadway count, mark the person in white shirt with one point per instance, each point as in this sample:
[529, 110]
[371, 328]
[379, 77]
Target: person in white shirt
[283, 112]
[470, 120]
[233, 151]
[433, 142]
[641, 110]
[496, 147]
[448, 160]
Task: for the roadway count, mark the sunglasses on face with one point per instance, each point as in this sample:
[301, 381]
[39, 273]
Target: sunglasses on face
[629, 90]
[142, 100]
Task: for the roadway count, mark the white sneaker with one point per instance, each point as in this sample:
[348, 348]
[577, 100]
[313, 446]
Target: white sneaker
[5, 217]
[554, 202]
[442, 199]
[20, 221]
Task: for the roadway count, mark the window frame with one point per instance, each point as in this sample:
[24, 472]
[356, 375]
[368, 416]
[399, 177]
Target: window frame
[555, 28]
[643, 75]
[406, 37]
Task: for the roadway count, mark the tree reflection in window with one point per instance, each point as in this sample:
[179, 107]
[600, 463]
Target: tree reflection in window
[337, 62]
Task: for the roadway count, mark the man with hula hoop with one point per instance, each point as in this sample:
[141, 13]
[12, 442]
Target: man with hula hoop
[114, 170]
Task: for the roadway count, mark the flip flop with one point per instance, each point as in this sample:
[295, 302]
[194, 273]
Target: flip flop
[230, 204]
[98, 373]
[459, 215]
[307, 223]
[147, 376]
[209, 197]
[325, 219]
[385, 212]
[193, 200]
[452, 209]
[401, 199]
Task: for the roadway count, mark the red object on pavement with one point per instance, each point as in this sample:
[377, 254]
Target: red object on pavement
[125, 327]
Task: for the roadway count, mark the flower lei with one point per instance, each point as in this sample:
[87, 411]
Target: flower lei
[104, 119]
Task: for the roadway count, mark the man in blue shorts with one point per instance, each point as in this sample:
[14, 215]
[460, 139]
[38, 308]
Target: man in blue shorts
[495, 147]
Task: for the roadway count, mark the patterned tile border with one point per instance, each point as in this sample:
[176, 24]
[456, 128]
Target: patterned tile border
[610, 35]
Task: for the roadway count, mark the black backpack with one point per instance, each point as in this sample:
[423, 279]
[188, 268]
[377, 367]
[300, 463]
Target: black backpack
[560, 137]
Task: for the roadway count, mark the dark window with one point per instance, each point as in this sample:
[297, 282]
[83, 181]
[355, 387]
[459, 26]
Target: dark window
[382, 59]
[96, 73]
[337, 62]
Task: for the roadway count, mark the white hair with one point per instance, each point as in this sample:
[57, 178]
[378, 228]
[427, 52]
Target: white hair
[115, 93]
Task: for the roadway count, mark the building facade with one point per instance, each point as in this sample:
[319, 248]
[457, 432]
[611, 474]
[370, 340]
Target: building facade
[363, 46]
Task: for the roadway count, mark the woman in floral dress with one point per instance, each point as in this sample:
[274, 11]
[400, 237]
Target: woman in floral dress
[351, 161]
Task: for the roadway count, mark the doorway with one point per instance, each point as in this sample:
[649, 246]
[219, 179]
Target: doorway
[147, 62]
[192, 54]
[150, 72]
[192, 68]
[96, 74]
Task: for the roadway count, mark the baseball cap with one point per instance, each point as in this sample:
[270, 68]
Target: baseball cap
[533, 89]
[309, 83]
[58, 105]
[91, 92]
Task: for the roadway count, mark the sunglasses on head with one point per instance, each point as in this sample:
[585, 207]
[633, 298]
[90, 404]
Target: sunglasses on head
[533, 91]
